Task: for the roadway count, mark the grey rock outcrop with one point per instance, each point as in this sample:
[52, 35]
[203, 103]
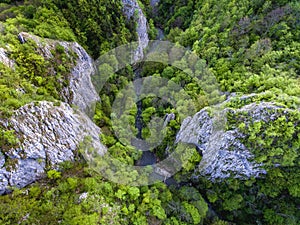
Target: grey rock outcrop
[131, 8]
[5, 60]
[80, 91]
[224, 155]
[48, 135]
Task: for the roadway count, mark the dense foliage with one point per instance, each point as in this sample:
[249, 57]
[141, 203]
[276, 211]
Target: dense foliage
[76, 197]
[34, 77]
[251, 47]
[247, 46]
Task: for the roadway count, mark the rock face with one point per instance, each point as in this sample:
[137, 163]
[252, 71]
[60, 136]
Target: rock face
[4, 59]
[48, 135]
[80, 91]
[131, 8]
[223, 153]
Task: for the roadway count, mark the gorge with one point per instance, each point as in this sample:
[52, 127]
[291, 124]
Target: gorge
[85, 94]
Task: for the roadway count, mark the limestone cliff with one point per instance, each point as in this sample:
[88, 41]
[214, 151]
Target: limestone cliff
[224, 154]
[131, 8]
[80, 91]
[48, 135]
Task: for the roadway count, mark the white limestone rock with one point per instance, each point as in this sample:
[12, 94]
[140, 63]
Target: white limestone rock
[223, 153]
[48, 135]
[4, 58]
[131, 8]
[80, 91]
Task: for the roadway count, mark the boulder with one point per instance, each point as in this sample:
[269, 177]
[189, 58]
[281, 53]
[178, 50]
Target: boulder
[4, 59]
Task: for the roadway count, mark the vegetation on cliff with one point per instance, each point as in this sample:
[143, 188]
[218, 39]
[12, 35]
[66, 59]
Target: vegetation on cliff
[247, 46]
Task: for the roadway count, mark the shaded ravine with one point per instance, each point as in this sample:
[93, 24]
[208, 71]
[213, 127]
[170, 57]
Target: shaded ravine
[148, 157]
[133, 10]
[139, 104]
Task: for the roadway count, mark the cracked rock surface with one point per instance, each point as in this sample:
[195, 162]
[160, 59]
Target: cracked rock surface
[48, 135]
[223, 153]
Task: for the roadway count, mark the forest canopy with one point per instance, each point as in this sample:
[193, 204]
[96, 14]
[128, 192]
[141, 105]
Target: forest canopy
[250, 48]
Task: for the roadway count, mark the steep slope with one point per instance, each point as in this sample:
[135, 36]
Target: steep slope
[45, 133]
[252, 157]
[133, 11]
[48, 135]
[242, 161]
[80, 90]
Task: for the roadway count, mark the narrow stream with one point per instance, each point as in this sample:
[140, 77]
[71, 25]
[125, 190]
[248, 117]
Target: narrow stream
[160, 34]
[138, 86]
[148, 157]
